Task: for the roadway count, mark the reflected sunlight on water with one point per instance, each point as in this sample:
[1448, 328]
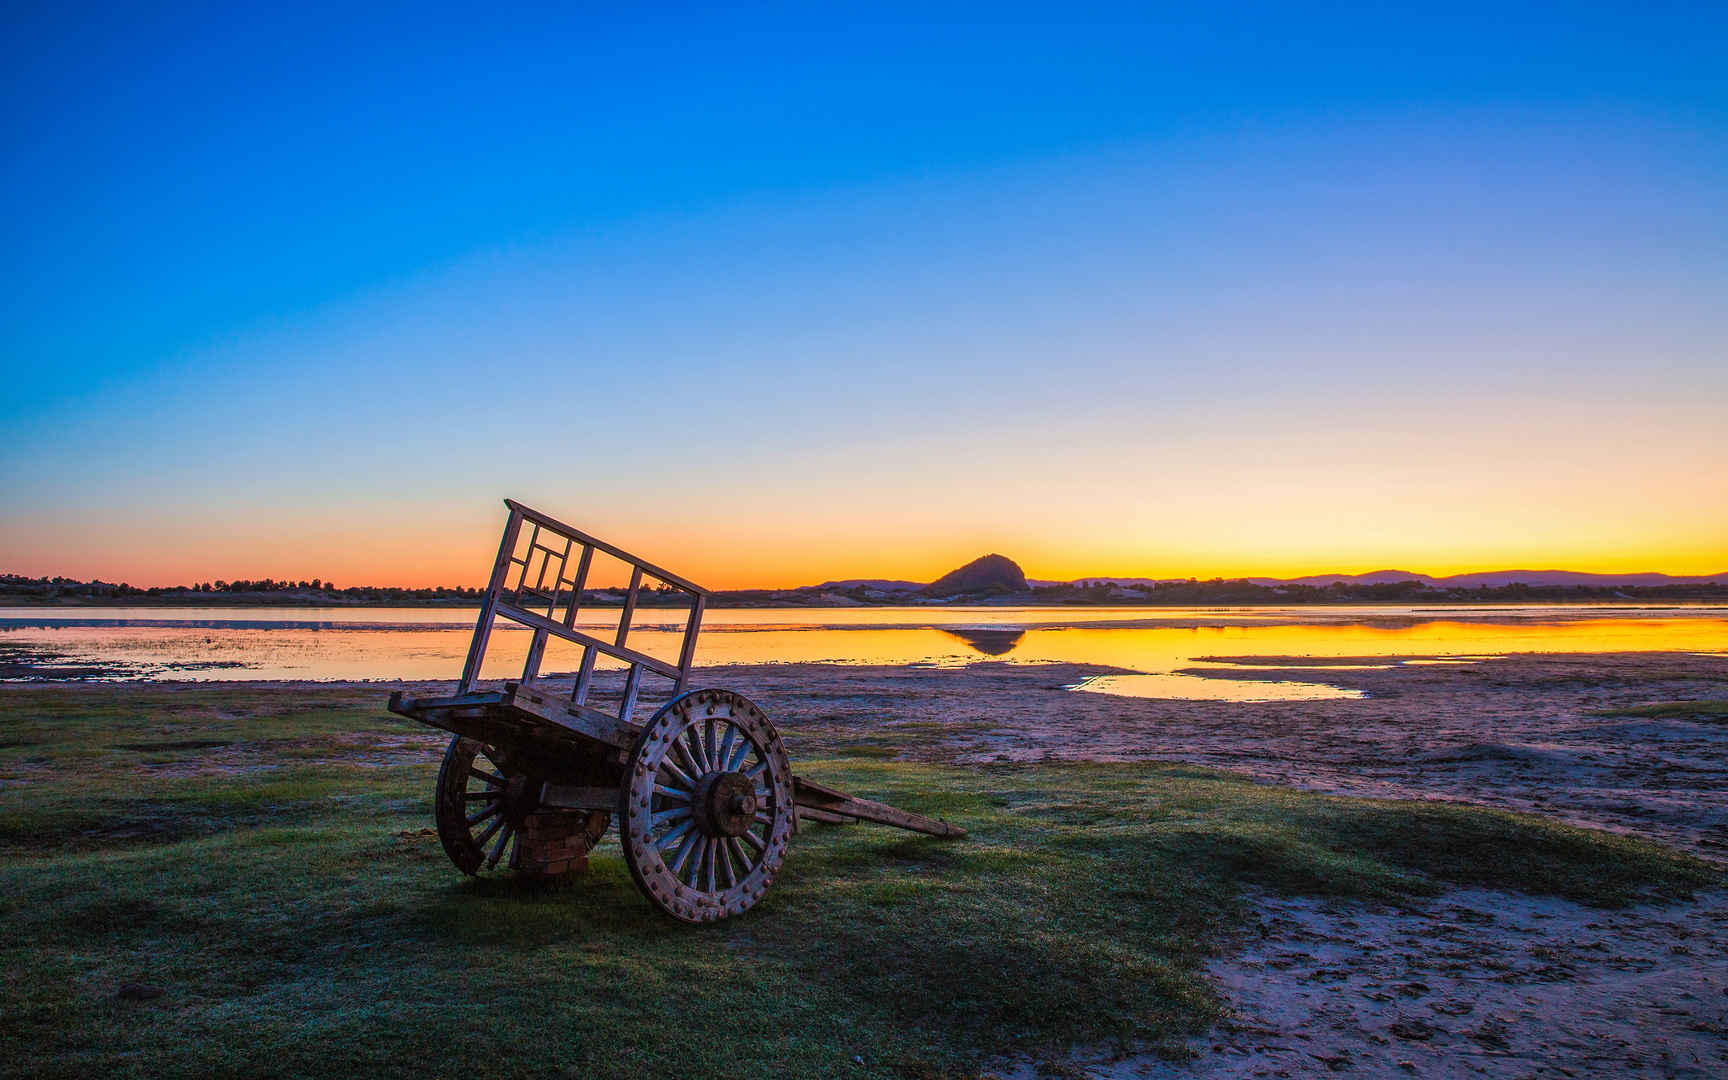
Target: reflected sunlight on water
[429, 643]
[1200, 688]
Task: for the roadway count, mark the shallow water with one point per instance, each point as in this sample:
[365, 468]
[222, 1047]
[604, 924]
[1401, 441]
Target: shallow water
[430, 643]
[1207, 688]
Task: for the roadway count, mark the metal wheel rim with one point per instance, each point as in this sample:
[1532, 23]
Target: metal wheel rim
[684, 871]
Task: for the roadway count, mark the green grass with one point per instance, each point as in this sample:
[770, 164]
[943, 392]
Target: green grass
[298, 917]
[1707, 709]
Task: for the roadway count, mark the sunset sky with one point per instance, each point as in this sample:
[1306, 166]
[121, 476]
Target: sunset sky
[784, 294]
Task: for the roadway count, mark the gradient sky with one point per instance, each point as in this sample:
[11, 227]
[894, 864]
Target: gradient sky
[774, 295]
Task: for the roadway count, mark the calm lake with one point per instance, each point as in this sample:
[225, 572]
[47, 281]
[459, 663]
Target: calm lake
[429, 643]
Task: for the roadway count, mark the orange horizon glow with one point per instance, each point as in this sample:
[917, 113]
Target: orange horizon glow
[1525, 485]
[465, 561]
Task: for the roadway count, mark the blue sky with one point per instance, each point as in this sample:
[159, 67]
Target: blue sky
[874, 280]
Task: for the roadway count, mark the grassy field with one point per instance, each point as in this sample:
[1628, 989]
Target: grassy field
[245, 881]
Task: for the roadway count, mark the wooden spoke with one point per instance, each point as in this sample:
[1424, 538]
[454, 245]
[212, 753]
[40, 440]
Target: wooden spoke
[754, 841]
[666, 817]
[674, 835]
[724, 756]
[480, 841]
[689, 764]
[683, 854]
[475, 819]
[693, 868]
[503, 841]
[728, 874]
[482, 774]
[711, 746]
[736, 761]
[735, 852]
[697, 754]
[675, 794]
[476, 796]
[679, 776]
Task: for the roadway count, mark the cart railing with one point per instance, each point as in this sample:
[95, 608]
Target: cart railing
[538, 581]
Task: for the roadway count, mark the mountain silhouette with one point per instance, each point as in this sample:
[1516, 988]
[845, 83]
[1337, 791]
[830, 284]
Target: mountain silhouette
[988, 574]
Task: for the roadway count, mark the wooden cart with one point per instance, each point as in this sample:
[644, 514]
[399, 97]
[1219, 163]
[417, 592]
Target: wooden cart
[702, 790]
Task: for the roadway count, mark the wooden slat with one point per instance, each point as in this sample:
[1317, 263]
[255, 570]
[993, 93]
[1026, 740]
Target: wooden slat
[528, 560]
[553, 523]
[806, 813]
[598, 724]
[580, 719]
[536, 621]
[580, 583]
[632, 687]
[687, 654]
[808, 793]
[488, 606]
[404, 705]
[629, 606]
[536, 650]
[476, 723]
[584, 677]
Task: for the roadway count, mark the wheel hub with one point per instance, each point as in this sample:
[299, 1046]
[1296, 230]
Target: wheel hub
[724, 804]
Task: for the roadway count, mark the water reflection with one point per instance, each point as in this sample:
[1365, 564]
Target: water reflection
[1199, 688]
[989, 640]
[380, 643]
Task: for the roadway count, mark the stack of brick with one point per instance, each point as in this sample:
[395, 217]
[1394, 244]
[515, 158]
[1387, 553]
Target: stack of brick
[552, 843]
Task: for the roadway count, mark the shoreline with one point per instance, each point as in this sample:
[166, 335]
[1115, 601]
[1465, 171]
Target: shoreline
[1533, 732]
[720, 603]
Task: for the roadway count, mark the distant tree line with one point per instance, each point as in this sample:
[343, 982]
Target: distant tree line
[17, 589]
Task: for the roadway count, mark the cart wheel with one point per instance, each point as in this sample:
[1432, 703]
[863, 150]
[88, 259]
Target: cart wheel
[706, 808]
[482, 803]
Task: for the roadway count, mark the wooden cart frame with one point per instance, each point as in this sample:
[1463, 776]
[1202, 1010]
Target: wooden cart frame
[704, 796]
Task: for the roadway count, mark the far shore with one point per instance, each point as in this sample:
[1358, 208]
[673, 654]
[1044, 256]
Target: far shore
[1021, 600]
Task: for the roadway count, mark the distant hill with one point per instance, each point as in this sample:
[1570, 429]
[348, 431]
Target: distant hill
[879, 584]
[986, 574]
[1372, 577]
[1086, 582]
[1498, 578]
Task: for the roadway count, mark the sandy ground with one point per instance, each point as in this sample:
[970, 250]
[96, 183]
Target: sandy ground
[1475, 983]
